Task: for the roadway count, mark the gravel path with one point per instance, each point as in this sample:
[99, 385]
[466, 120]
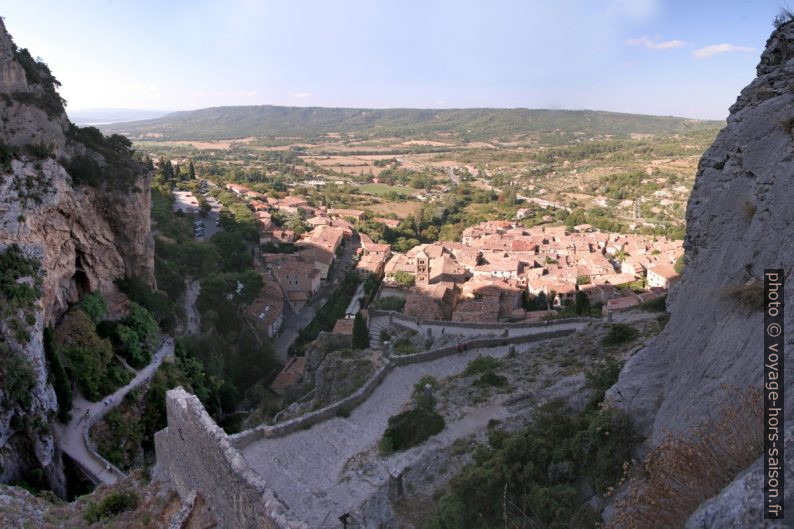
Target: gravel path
[71, 437]
[325, 471]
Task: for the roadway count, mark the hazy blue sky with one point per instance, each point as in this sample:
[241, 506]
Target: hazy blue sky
[687, 58]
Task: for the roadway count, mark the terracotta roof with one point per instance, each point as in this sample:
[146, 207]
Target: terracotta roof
[343, 327]
[289, 375]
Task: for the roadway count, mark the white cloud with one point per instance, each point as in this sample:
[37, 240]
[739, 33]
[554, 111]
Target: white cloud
[656, 43]
[301, 95]
[716, 49]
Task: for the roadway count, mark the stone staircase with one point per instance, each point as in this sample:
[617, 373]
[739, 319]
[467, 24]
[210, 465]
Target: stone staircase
[376, 325]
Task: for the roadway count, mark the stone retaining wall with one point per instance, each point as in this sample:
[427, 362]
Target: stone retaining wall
[400, 318]
[196, 455]
[92, 449]
[433, 354]
[243, 439]
[200, 458]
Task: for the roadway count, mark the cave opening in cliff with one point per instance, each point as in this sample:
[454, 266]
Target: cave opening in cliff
[81, 283]
[80, 278]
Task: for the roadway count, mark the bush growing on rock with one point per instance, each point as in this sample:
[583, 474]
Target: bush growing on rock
[684, 471]
[481, 364]
[490, 378]
[532, 478]
[620, 333]
[94, 305]
[112, 505]
[17, 377]
[410, 428]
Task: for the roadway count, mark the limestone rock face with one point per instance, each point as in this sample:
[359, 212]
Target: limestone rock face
[85, 237]
[739, 504]
[740, 220]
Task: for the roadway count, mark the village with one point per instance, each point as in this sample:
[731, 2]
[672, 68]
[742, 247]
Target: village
[499, 271]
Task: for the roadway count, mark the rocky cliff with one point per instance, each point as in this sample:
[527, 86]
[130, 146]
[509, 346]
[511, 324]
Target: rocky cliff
[740, 220]
[76, 203]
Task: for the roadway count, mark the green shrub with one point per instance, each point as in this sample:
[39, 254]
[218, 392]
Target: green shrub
[17, 377]
[94, 305]
[84, 170]
[404, 347]
[481, 364]
[140, 320]
[112, 505]
[410, 428]
[15, 294]
[404, 278]
[537, 472]
[489, 378]
[603, 375]
[620, 333]
[394, 303]
[129, 346]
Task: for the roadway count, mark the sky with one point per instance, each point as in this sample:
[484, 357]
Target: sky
[682, 58]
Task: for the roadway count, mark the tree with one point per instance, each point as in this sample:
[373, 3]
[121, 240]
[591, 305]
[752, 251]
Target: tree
[165, 169]
[360, 333]
[94, 305]
[403, 278]
[177, 173]
[541, 302]
[191, 170]
[582, 303]
[529, 301]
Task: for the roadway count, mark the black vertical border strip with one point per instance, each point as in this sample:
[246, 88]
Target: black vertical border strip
[774, 428]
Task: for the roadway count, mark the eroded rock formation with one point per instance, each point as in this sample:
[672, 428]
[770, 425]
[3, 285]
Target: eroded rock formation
[740, 220]
[84, 236]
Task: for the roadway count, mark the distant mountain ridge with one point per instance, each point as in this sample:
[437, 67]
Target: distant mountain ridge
[474, 123]
[92, 116]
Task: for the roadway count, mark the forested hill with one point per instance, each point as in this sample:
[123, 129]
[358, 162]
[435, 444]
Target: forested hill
[480, 123]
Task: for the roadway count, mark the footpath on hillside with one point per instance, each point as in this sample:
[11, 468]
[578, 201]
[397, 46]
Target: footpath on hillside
[72, 437]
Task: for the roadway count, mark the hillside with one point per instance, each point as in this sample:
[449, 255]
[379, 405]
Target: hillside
[73, 219]
[479, 123]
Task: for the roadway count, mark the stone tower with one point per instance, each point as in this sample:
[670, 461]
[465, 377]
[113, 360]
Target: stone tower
[422, 268]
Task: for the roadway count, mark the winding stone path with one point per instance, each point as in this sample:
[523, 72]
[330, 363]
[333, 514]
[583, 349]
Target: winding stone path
[315, 472]
[71, 438]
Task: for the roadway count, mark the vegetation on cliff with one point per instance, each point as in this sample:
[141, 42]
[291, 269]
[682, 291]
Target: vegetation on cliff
[539, 476]
[20, 288]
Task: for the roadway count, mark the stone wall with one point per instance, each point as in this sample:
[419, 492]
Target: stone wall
[243, 439]
[197, 457]
[402, 319]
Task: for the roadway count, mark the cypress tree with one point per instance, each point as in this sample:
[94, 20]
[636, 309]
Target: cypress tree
[360, 333]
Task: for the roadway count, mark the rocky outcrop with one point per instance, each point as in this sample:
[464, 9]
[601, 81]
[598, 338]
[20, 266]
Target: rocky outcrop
[84, 236]
[739, 505]
[739, 221]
